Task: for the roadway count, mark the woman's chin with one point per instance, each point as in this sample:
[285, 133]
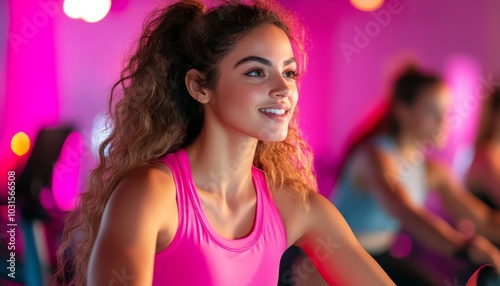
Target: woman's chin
[272, 135]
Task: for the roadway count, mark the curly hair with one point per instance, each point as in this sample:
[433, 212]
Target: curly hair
[152, 113]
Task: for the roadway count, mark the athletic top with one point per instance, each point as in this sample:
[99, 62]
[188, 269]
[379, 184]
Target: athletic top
[362, 211]
[198, 255]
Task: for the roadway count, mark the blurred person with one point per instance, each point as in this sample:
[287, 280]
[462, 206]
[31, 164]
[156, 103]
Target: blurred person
[483, 175]
[383, 181]
[207, 179]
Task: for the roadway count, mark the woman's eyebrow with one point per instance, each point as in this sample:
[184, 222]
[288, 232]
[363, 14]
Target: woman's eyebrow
[289, 61]
[262, 61]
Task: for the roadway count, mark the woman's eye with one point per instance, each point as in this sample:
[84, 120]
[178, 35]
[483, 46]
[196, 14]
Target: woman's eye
[291, 74]
[256, 73]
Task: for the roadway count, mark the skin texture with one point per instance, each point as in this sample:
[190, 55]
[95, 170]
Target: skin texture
[141, 216]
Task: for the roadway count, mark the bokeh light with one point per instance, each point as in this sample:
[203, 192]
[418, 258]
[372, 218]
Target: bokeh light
[65, 176]
[72, 8]
[91, 11]
[20, 143]
[367, 5]
[402, 246]
[100, 132]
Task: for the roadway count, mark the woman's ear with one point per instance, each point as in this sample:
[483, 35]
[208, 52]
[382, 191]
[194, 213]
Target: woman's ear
[195, 89]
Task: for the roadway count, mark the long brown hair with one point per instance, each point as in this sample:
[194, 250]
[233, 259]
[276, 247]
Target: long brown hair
[152, 114]
[489, 109]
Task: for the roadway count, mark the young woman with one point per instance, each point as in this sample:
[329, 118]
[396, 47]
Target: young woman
[207, 180]
[384, 179]
[483, 176]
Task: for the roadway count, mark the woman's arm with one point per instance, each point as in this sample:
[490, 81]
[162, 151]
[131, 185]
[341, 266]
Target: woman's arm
[123, 253]
[333, 248]
[382, 178]
[464, 206]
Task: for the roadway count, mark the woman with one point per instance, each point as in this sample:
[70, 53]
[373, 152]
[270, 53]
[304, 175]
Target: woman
[383, 181]
[207, 180]
[483, 176]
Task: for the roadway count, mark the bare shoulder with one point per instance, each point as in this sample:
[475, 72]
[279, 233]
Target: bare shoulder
[299, 212]
[319, 210]
[140, 213]
[328, 241]
[321, 219]
[367, 156]
[141, 189]
[371, 163]
[146, 196]
[292, 207]
[148, 183]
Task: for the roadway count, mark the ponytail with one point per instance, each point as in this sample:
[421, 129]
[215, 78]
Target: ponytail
[152, 114]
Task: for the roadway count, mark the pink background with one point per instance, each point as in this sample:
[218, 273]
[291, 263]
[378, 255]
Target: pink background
[55, 70]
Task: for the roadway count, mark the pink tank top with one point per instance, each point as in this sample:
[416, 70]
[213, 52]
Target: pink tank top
[198, 255]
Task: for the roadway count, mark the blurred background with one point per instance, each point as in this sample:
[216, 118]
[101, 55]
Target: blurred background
[59, 59]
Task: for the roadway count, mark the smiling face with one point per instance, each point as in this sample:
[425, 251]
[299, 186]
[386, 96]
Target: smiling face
[256, 91]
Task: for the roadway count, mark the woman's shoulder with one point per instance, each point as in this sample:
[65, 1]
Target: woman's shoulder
[379, 143]
[363, 158]
[144, 193]
[302, 213]
[146, 182]
[294, 208]
[138, 220]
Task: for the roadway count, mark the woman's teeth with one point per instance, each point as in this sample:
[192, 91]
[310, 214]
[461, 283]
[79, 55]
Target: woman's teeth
[275, 111]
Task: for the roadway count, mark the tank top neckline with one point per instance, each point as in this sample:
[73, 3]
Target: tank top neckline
[239, 244]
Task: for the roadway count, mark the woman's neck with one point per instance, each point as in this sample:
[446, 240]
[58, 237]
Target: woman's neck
[406, 145]
[221, 164]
